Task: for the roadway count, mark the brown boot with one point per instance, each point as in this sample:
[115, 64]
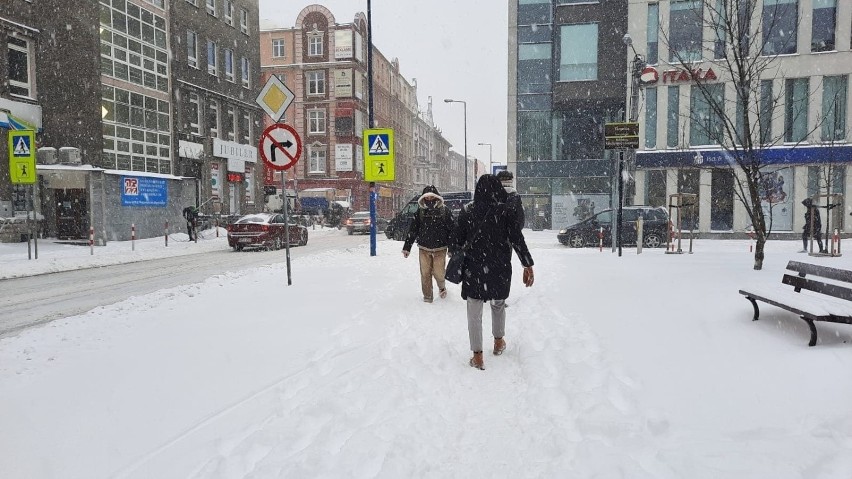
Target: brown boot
[499, 346]
[476, 361]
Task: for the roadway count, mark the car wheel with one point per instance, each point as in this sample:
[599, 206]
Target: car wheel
[652, 240]
[238, 247]
[576, 240]
[350, 231]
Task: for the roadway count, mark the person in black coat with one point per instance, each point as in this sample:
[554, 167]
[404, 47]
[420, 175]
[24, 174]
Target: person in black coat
[488, 231]
[432, 228]
[513, 199]
[816, 232]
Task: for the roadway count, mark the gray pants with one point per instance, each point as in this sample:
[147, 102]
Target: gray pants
[474, 321]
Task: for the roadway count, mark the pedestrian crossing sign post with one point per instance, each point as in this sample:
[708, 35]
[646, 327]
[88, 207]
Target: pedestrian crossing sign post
[22, 157]
[378, 155]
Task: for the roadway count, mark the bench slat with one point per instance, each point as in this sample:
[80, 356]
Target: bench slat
[832, 290]
[822, 271]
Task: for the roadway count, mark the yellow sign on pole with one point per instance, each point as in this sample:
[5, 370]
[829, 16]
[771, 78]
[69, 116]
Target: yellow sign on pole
[378, 155]
[22, 157]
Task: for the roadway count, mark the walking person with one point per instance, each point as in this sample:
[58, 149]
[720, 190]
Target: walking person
[487, 232]
[432, 228]
[513, 199]
[811, 228]
[190, 213]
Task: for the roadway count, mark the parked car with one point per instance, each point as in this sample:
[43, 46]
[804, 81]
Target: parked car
[264, 230]
[398, 226]
[359, 222]
[655, 227]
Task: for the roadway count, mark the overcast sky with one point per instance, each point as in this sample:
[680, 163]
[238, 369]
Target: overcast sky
[455, 49]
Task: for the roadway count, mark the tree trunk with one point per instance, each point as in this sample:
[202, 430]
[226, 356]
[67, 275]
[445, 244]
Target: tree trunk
[758, 252]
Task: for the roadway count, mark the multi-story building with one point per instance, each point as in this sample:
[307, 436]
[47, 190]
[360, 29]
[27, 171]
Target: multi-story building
[325, 64]
[803, 109]
[215, 81]
[566, 79]
[431, 154]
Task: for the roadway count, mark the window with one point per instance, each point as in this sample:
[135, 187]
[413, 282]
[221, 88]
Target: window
[278, 48]
[655, 188]
[534, 12]
[722, 200]
[688, 182]
[653, 50]
[211, 7]
[244, 21]
[316, 83]
[834, 107]
[246, 72]
[192, 2]
[212, 52]
[685, 27]
[673, 116]
[20, 74]
[230, 125]
[720, 26]
[650, 118]
[192, 49]
[534, 64]
[245, 129]
[705, 126]
[315, 45]
[213, 118]
[316, 121]
[767, 110]
[535, 131]
[229, 64]
[824, 25]
[228, 12]
[193, 113]
[796, 110]
[780, 24]
[819, 177]
[317, 159]
[578, 57]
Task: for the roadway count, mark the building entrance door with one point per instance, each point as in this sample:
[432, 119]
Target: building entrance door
[71, 213]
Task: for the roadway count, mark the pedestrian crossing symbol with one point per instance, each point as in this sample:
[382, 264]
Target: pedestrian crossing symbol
[22, 157]
[22, 146]
[378, 154]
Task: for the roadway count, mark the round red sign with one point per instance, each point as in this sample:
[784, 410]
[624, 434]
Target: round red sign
[280, 146]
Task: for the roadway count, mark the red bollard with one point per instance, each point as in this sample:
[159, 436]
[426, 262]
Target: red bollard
[133, 237]
[92, 240]
[167, 234]
[600, 239]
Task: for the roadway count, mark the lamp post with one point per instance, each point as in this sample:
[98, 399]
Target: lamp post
[448, 100]
[490, 163]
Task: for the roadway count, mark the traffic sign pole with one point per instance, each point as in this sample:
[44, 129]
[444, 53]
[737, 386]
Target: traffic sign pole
[286, 226]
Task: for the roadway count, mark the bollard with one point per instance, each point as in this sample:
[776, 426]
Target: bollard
[217, 227]
[835, 243]
[92, 240]
[167, 234]
[600, 239]
[133, 237]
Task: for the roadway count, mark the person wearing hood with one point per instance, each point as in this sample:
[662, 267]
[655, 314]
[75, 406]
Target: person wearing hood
[513, 199]
[811, 230]
[488, 231]
[432, 228]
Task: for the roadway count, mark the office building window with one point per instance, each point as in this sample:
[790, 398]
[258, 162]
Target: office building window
[246, 72]
[824, 25]
[796, 110]
[673, 117]
[655, 188]
[767, 110]
[316, 164]
[244, 23]
[316, 121]
[535, 130]
[192, 49]
[722, 200]
[245, 129]
[229, 64]
[534, 12]
[316, 83]
[686, 23]
[212, 54]
[193, 113]
[230, 126]
[821, 179]
[211, 7]
[706, 105]
[780, 25]
[650, 118]
[20, 69]
[136, 130]
[228, 12]
[213, 118]
[278, 48]
[720, 27]
[834, 101]
[578, 56]
[133, 45]
[534, 64]
[653, 47]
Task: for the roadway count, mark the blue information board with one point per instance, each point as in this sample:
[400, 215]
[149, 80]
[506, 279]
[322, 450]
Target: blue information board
[144, 191]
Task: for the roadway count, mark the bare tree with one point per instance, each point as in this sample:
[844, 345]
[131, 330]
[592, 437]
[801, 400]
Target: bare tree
[743, 49]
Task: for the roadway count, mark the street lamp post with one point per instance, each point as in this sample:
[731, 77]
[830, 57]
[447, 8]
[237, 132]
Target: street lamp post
[490, 162]
[448, 100]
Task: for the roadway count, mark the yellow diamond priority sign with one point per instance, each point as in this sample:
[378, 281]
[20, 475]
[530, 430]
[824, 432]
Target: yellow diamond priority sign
[378, 155]
[22, 157]
[275, 98]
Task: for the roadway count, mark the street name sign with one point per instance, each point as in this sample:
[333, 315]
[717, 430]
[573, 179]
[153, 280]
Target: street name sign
[621, 136]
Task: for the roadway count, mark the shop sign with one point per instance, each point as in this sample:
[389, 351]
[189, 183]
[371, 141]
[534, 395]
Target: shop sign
[650, 75]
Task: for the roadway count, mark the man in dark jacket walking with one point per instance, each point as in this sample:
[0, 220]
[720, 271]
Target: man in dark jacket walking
[811, 228]
[432, 228]
[513, 199]
[488, 231]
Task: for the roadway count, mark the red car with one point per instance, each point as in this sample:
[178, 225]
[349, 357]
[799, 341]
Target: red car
[264, 230]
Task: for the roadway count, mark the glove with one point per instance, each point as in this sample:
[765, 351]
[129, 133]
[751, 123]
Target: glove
[529, 279]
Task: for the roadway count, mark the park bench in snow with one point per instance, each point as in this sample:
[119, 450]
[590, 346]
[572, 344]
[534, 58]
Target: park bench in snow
[821, 300]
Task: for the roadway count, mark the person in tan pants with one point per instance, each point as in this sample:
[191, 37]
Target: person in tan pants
[432, 229]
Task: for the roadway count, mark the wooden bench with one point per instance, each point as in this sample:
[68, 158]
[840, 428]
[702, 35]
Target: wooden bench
[822, 301]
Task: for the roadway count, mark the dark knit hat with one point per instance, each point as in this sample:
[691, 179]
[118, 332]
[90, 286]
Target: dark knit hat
[431, 189]
[505, 175]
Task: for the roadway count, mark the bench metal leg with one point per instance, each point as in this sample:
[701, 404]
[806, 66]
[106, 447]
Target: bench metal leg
[756, 310]
[813, 331]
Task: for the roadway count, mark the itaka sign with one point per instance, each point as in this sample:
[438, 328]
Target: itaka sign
[280, 146]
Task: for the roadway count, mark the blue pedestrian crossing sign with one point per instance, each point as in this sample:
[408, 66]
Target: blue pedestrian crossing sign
[378, 155]
[22, 157]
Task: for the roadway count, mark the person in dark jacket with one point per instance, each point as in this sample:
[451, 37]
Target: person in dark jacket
[190, 213]
[816, 232]
[432, 228]
[513, 199]
[490, 230]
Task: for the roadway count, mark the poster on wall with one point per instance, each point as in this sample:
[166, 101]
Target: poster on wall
[343, 82]
[342, 44]
[776, 192]
[343, 157]
[144, 191]
[571, 209]
[249, 185]
[215, 181]
[359, 47]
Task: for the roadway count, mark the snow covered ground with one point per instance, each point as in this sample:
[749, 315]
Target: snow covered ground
[644, 366]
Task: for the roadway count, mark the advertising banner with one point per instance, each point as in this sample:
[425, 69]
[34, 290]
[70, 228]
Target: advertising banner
[777, 198]
[249, 183]
[343, 44]
[215, 181]
[343, 82]
[343, 157]
[144, 191]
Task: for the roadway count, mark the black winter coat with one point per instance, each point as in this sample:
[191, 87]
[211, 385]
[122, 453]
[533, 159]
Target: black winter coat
[432, 226]
[817, 221]
[492, 229]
